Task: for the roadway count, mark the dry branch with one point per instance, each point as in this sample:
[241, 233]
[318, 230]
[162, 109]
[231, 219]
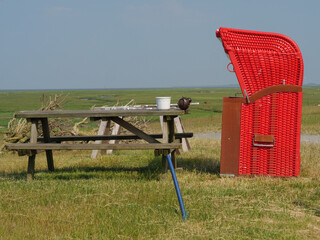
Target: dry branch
[19, 129]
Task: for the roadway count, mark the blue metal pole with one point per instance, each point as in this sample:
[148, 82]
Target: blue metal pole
[176, 184]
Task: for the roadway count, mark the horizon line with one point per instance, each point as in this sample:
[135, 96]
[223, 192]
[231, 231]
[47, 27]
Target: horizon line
[75, 89]
[147, 88]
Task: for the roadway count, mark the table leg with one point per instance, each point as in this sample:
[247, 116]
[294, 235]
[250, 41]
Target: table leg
[165, 139]
[31, 164]
[106, 132]
[33, 139]
[164, 164]
[103, 130]
[46, 136]
[170, 122]
[115, 131]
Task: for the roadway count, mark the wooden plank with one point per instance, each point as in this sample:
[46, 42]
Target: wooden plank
[230, 136]
[33, 140]
[165, 139]
[164, 164]
[115, 132]
[97, 113]
[46, 136]
[106, 132]
[171, 130]
[31, 167]
[101, 131]
[110, 137]
[58, 146]
[134, 130]
[171, 139]
[180, 129]
[161, 123]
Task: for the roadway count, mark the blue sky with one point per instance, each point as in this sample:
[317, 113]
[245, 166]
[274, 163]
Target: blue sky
[64, 44]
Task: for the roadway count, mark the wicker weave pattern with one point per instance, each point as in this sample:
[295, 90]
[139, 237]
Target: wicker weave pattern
[268, 117]
[261, 60]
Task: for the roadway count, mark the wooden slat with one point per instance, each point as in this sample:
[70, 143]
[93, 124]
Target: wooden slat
[97, 113]
[107, 132]
[165, 139]
[161, 123]
[171, 129]
[115, 131]
[165, 131]
[57, 146]
[46, 136]
[263, 138]
[110, 137]
[32, 158]
[103, 128]
[180, 129]
[134, 130]
[31, 167]
[230, 136]
[274, 89]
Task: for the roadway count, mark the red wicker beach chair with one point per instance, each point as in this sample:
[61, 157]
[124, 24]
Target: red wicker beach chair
[261, 132]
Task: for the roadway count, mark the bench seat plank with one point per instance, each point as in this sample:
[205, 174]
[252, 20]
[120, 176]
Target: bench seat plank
[57, 146]
[109, 137]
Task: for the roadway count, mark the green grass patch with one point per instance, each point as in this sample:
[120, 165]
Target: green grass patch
[124, 195]
[208, 112]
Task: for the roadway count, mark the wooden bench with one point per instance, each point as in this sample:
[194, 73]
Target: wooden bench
[171, 141]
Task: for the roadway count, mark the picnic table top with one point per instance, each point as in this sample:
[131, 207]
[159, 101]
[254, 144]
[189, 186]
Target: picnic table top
[98, 113]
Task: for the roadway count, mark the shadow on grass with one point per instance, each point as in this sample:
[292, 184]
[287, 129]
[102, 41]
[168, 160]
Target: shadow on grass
[152, 171]
[13, 176]
[135, 173]
[203, 165]
[305, 205]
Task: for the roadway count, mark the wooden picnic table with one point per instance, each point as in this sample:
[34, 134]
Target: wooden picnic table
[48, 143]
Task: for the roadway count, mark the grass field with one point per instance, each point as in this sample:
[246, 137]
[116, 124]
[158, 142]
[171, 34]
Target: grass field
[211, 112]
[125, 196]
